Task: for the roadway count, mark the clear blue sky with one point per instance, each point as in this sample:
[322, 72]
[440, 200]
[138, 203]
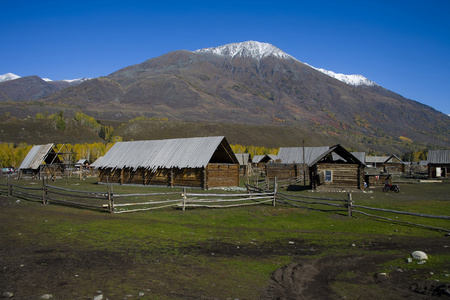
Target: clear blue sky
[403, 46]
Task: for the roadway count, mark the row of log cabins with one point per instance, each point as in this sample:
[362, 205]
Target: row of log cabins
[209, 162]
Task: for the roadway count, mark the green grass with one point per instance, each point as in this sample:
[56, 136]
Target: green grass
[179, 251]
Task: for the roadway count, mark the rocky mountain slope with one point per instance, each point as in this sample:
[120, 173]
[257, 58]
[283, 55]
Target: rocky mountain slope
[31, 88]
[257, 84]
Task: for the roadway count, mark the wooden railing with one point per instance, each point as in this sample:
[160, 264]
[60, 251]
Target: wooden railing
[255, 195]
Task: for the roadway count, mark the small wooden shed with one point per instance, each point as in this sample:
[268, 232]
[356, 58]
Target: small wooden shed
[202, 162]
[438, 163]
[41, 160]
[394, 164]
[385, 164]
[328, 167]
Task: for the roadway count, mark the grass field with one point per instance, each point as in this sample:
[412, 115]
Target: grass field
[232, 253]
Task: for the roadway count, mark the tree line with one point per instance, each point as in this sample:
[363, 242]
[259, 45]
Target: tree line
[12, 155]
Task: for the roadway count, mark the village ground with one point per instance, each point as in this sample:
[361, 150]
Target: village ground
[259, 252]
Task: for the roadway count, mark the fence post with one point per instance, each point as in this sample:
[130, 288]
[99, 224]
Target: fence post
[110, 199]
[275, 188]
[184, 198]
[9, 186]
[349, 204]
[44, 191]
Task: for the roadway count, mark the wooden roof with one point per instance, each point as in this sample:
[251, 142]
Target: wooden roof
[243, 158]
[170, 153]
[439, 156]
[36, 156]
[314, 154]
[264, 158]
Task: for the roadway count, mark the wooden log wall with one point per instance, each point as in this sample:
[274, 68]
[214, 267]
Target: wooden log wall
[285, 171]
[221, 175]
[109, 175]
[188, 177]
[445, 168]
[215, 175]
[343, 175]
[394, 168]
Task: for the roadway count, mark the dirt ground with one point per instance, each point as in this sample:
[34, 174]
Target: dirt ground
[32, 270]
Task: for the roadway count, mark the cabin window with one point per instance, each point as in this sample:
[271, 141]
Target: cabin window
[328, 176]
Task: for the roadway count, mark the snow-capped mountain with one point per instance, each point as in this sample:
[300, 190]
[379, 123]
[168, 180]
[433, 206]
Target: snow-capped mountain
[11, 76]
[252, 49]
[31, 88]
[70, 81]
[258, 51]
[8, 76]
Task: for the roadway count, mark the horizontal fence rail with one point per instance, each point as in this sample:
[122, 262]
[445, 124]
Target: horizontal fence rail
[87, 199]
[218, 201]
[109, 201]
[348, 204]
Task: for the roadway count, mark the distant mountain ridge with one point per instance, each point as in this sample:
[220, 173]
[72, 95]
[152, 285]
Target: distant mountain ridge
[32, 88]
[255, 84]
[11, 76]
[252, 49]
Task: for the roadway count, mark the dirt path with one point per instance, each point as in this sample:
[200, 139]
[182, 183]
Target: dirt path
[313, 279]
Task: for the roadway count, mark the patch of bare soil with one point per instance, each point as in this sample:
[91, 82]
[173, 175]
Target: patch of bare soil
[30, 269]
[315, 279]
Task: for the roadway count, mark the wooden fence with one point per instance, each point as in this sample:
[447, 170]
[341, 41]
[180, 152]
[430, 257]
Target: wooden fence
[121, 203]
[347, 205]
[226, 200]
[266, 184]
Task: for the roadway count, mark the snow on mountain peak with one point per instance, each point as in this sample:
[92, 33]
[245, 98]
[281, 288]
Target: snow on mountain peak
[11, 76]
[348, 79]
[258, 50]
[8, 76]
[253, 49]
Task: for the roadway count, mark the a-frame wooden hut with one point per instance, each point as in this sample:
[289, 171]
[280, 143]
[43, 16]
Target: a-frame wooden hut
[40, 157]
[202, 162]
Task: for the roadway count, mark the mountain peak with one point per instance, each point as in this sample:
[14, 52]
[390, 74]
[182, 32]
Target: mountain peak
[258, 51]
[253, 49]
[8, 76]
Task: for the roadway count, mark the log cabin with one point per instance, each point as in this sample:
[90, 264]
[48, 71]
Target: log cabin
[201, 162]
[328, 167]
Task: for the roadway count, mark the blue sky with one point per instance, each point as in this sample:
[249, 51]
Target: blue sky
[403, 46]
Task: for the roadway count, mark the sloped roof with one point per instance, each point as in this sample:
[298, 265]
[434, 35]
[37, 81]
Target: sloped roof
[376, 159]
[439, 156]
[290, 155]
[36, 156]
[267, 157]
[394, 159]
[96, 162]
[82, 161]
[360, 155]
[423, 163]
[243, 158]
[170, 153]
[314, 154]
